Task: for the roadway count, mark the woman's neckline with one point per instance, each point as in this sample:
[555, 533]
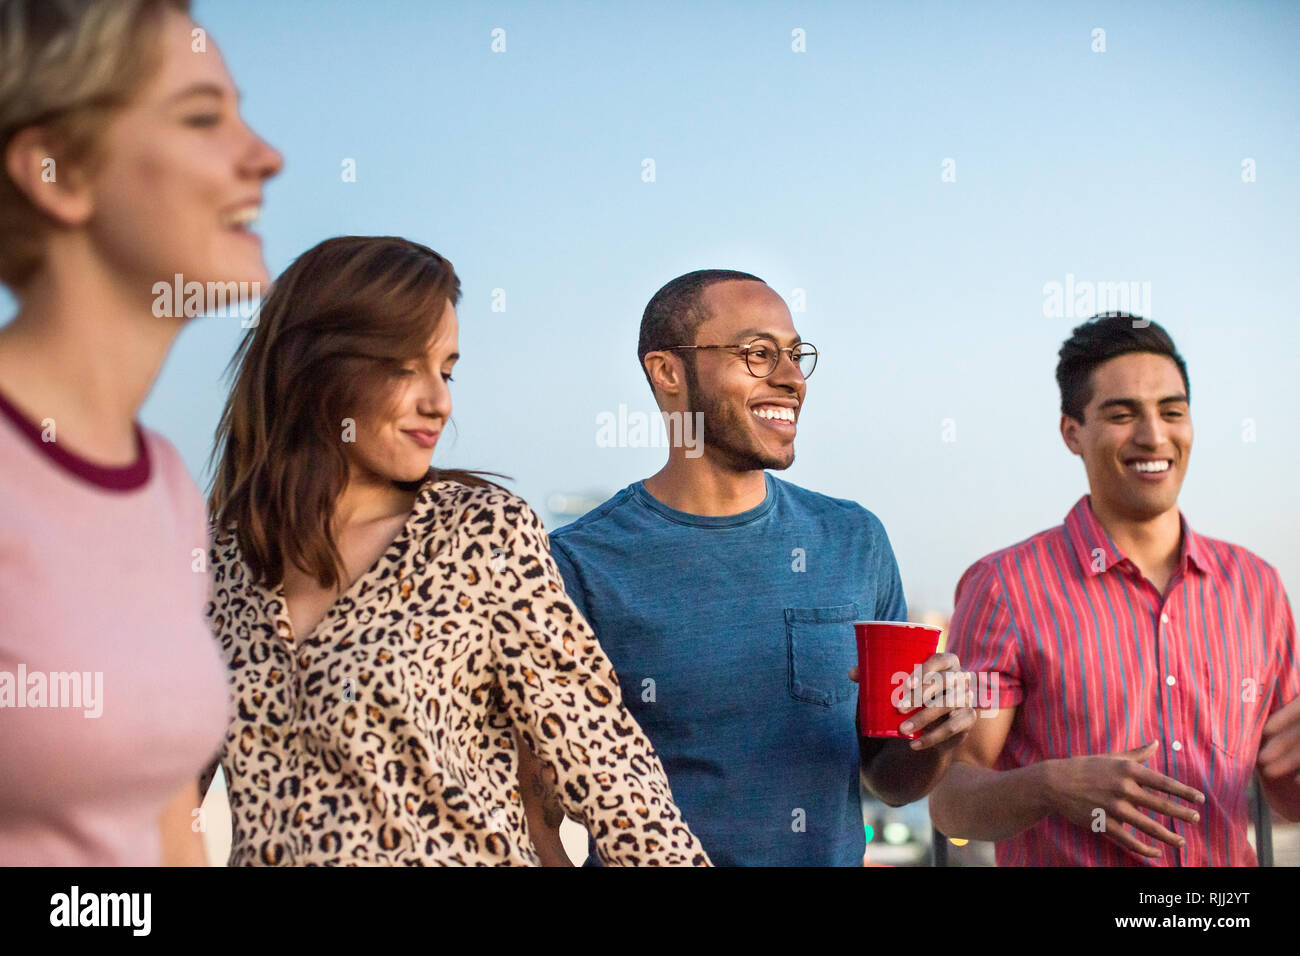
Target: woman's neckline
[44, 438]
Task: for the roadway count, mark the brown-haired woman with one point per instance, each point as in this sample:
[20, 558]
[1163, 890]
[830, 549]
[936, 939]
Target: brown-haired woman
[125, 164]
[390, 628]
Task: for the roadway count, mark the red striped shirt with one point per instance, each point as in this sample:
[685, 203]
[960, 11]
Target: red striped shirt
[1098, 662]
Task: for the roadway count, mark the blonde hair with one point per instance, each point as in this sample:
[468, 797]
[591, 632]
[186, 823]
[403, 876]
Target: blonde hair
[68, 65]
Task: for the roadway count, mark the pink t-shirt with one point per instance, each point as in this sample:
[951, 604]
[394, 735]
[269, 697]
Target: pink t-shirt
[112, 689]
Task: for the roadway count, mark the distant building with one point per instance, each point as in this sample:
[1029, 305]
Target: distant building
[563, 507]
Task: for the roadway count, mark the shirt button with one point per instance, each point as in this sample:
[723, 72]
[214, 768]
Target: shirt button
[1164, 618]
[1170, 680]
[1177, 745]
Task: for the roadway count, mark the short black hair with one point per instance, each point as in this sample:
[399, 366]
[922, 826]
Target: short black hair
[676, 312]
[1100, 339]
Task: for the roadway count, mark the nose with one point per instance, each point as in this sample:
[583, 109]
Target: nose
[434, 400]
[262, 160]
[1150, 431]
[787, 373]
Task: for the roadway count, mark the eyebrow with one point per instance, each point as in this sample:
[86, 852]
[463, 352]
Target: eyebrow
[748, 334]
[1133, 403]
[203, 88]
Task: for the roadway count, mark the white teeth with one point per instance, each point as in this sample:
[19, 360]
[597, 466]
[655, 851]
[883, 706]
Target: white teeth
[775, 413]
[1151, 466]
[242, 217]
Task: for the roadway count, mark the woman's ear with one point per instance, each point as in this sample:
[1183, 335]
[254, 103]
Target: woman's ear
[59, 190]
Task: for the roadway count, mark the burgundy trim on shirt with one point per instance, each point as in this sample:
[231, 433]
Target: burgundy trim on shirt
[112, 478]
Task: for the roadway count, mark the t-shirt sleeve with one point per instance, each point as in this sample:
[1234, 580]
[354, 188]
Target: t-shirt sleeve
[196, 532]
[573, 585]
[983, 633]
[561, 693]
[891, 605]
[191, 509]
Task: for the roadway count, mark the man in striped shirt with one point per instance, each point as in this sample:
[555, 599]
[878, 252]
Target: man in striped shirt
[1143, 670]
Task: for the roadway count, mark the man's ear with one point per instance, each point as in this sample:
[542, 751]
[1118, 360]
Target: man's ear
[54, 187]
[666, 373]
[1070, 434]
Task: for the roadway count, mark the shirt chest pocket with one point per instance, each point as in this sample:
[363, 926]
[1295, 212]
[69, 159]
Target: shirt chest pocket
[821, 648]
[1231, 704]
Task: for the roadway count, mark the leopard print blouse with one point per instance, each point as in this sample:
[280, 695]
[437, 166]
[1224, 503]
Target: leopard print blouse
[384, 737]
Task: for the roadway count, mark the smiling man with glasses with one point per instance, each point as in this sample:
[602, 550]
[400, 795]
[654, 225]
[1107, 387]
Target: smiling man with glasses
[725, 597]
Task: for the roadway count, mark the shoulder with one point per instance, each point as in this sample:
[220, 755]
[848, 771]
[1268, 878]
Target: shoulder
[472, 510]
[1237, 561]
[226, 559]
[167, 462]
[839, 510]
[174, 480]
[593, 524]
[996, 569]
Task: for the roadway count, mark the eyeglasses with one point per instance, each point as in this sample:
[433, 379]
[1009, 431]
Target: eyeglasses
[763, 355]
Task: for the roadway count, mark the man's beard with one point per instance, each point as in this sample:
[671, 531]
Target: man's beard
[725, 430]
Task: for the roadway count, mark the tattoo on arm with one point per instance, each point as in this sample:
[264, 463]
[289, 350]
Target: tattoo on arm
[552, 813]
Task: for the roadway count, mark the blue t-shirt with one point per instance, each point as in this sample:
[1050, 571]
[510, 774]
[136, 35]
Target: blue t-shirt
[732, 638]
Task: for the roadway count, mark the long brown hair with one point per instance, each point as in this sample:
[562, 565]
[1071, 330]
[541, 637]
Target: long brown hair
[327, 339]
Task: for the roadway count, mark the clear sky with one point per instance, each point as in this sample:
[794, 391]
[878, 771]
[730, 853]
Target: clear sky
[934, 403]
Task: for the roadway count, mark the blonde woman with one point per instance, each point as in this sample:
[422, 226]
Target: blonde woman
[125, 163]
[398, 639]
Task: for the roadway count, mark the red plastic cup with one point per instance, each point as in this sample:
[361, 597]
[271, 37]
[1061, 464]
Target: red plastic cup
[886, 650]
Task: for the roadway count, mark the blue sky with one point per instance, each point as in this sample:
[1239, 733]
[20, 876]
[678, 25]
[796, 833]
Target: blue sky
[819, 171]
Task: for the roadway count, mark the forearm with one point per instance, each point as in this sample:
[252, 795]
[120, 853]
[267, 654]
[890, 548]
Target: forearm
[977, 803]
[895, 774]
[624, 800]
[608, 776]
[547, 842]
[562, 695]
[544, 828]
[1283, 795]
[541, 809]
[182, 845]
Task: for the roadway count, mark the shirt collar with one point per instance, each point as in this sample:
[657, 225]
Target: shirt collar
[1195, 550]
[1097, 553]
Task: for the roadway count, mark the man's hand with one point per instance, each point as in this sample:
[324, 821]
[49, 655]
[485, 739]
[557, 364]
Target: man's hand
[1279, 752]
[1121, 787]
[952, 718]
[1279, 761]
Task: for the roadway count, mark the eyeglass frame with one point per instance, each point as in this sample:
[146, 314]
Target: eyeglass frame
[788, 351]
